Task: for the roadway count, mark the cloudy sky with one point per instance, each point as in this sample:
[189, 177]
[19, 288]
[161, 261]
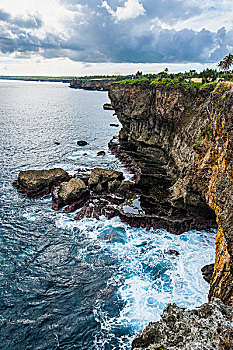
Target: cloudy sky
[78, 37]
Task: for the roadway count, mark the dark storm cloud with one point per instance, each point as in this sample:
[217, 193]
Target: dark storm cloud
[100, 35]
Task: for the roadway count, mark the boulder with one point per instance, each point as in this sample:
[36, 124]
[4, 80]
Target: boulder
[37, 183]
[101, 153]
[82, 143]
[74, 193]
[100, 178]
[207, 272]
[116, 125]
[113, 185]
[173, 252]
[108, 106]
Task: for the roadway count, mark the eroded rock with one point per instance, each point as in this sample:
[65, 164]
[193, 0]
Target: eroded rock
[73, 192]
[208, 327]
[37, 183]
[100, 178]
[207, 272]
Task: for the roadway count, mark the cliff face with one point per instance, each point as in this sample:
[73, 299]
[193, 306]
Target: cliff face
[184, 139]
[91, 84]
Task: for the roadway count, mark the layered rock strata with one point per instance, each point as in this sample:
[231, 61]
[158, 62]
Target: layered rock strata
[180, 144]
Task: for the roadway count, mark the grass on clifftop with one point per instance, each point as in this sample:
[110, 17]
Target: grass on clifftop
[168, 82]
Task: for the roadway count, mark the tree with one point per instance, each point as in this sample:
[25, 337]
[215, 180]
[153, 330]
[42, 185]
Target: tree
[228, 61]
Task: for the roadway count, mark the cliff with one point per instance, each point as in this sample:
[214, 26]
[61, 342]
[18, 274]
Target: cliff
[180, 141]
[91, 84]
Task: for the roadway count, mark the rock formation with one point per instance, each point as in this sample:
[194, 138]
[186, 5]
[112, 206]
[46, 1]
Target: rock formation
[208, 327]
[37, 183]
[91, 84]
[74, 193]
[179, 143]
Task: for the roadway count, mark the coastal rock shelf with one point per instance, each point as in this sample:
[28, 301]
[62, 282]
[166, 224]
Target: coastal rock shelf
[208, 327]
[179, 144]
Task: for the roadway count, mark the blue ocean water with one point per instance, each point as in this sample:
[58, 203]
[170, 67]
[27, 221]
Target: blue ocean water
[87, 284]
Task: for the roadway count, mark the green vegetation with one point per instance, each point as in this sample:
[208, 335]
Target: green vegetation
[226, 62]
[187, 84]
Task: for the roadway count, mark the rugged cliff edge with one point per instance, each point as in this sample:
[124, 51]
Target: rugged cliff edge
[181, 142]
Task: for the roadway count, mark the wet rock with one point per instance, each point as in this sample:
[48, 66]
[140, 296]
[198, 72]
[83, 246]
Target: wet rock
[37, 183]
[116, 125]
[207, 272]
[100, 178]
[74, 193]
[82, 143]
[208, 327]
[113, 185]
[108, 106]
[83, 174]
[101, 154]
[173, 252]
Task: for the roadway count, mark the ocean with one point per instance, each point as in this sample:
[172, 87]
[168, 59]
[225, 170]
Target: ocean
[64, 284]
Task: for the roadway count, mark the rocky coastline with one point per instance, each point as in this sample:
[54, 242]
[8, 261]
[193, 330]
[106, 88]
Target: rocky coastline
[178, 145]
[92, 84]
[189, 133]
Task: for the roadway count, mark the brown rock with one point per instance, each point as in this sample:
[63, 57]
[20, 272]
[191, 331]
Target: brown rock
[100, 178]
[101, 153]
[67, 193]
[37, 183]
[82, 143]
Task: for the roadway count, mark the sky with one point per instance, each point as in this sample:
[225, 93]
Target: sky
[84, 37]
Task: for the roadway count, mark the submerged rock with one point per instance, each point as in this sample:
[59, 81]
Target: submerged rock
[73, 192]
[208, 327]
[37, 183]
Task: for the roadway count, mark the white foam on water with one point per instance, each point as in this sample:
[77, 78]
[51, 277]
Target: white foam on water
[148, 277]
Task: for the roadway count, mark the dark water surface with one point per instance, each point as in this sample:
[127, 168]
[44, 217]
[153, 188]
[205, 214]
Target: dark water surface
[63, 285]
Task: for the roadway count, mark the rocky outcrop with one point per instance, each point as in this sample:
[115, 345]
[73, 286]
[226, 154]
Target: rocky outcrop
[159, 131]
[103, 179]
[207, 272]
[208, 327]
[179, 143]
[38, 183]
[91, 84]
[73, 193]
[108, 106]
[96, 192]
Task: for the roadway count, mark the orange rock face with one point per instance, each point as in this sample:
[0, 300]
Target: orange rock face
[212, 176]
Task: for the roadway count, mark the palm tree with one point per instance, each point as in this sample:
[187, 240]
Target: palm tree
[228, 61]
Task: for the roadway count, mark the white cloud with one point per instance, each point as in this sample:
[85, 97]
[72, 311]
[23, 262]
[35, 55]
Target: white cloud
[131, 9]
